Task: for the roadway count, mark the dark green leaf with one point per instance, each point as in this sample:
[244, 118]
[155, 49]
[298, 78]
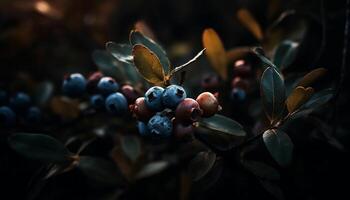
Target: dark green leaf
[131, 147]
[265, 62]
[201, 164]
[108, 65]
[100, 170]
[261, 170]
[273, 93]
[39, 147]
[285, 54]
[222, 124]
[319, 98]
[279, 145]
[138, 38]
[152, 168]
[122, 52]
[43, 93]
[272, 189]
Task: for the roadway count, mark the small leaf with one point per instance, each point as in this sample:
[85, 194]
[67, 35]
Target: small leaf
[223, 124]
[201, 164]
[131, 147]
[273, 189]
[266, 63]
[279, 145]
[273, 93]
[152, 168]
[100, 170]
[319, 98]
[312, 76]
[148, 65]
[137, 38]
[39, 147]
[248, 20]
[122, 52]
[65, 107]
[285, 54]
[298, 97]
[215, 51]
[124, 164]
[261, 170]
[187, 63]
[237, 53]
[108, 65]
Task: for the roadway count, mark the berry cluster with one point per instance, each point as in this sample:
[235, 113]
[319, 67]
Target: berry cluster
[17, 107]
[165, 112]
[104, 92]
[241, 83]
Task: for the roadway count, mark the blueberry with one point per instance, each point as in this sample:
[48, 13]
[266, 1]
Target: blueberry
[74, 85]
[160, 126]
[107, 85]
[7, 116]
[20, 102]
[173, 95]
[153, 98]
[143, 129]
[116, 104]
[97, 101]
[3, 97]
[33, 115]
[238, 95]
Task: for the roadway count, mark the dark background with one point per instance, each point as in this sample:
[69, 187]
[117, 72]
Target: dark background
[36, 45]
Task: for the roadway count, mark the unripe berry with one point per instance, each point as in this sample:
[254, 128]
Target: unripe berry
[208, 103]
[92, 81]
[242, 68]
[188, 111]
[238, 95]
[210, 82]
[173, 95]
[239, 82]
[140, 110]
[7, 117]
[116, 104]
[143, 129]
[160, 126]
[107, 85]
[129, 93]
[97, 101]
[74, 85]
[20, 102]
[153, 98]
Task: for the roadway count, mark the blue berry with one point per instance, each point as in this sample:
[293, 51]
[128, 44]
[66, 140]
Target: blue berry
[238, 95]
[97, 101]
[116, 104]
[3, 97]
[20, 102]
[7, 116]
[143, 129]
[153, 98]
[33, 115]
[160, 126]
[173, 95]
[74, 85]
[107, 85]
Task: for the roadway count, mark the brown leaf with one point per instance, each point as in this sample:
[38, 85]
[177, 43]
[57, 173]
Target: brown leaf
[65, 107]
[312, 76]
[248, 20]
[148, 65]
[215, 51]
[298, 97]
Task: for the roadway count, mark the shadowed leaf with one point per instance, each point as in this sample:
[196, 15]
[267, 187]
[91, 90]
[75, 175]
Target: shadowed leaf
[279, 145]
[108, 65]
[248, 20]
[152, 168]
[312, 76]
[285, 54]
[261, 170]
[201, 164]
[223, 124]
[273, 189]
[122, 52]
[298, 97]
[215, 51]
[131, 147]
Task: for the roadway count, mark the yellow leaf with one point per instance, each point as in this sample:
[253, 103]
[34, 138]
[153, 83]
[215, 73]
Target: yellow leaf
[237, 53]
[148, 65]
[215, 51]
[248, 20]
[298, 97]
[312, 76]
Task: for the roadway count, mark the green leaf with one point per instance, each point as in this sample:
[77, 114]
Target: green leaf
[121, 52]
[273, 189]
[108, 65]
[319, 98]
[100, 170]
[137, 37]
[285, 54]
[222, 124]
[279, 145]
[39, 147]
[265, 62]
[201, 164]
[152, 168]
[131, 147]
[261, 170]
[273, 93]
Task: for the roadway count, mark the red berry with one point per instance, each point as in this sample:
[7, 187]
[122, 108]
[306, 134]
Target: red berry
[93, 80]
[130, 93]
[208, 103]
[188, 111]
[183, 131]
[239, 82]
[140, 110]
[242, 68]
